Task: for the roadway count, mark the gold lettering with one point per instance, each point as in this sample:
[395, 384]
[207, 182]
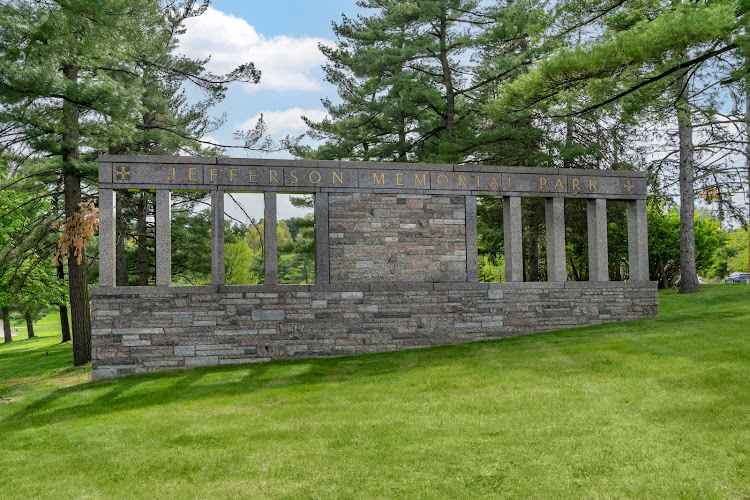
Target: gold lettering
[213, 174]
[542, 182]
[399, 179]
[577, 184]
[273, 176]
[510, 185]
[193, 174]
[592, 185]
[232, 174]
[560, 184]
[311, 177]
[462, 181]
[174, 174]
[378, 180]
[252, 176]
[478, 186]
[444, 182]
[494, 182]
[420, 182]
[293, 173]
[340, 177]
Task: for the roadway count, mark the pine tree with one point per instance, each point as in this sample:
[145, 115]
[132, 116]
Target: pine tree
[643, 51]
[74, 80]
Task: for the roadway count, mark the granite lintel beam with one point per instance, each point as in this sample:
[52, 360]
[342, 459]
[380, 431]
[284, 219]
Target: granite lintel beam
[217, 238]
[270, 243]
[512, 238]
[163, 237]
[596, 215]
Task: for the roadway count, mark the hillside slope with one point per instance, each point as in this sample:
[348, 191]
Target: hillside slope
[652, 408]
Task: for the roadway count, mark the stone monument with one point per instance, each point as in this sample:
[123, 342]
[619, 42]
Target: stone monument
[396, 263]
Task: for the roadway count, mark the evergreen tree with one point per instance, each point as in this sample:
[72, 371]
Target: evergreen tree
[409, 81]
[76, 78]
[643, 49]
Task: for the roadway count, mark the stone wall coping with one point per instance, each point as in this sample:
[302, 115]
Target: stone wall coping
[139, 291]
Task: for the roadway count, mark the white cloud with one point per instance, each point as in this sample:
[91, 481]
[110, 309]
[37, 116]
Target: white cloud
[288, 120]
[286, 63]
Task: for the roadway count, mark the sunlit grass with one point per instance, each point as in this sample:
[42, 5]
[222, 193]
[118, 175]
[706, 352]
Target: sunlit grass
[645, 409]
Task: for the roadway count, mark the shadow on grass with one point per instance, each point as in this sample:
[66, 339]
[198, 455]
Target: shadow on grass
[152, 390]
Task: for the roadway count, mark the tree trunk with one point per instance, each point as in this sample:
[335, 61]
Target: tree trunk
[6, 325]
[688, 275]
[142, 240]
[747, 163]
[29, 325]
[450, 94]
[77, 279]
[121, 269]
[64, 325]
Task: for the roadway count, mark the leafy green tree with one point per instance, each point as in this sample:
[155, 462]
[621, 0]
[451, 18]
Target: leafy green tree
[297, 253]
[239, 260]
[191, 246]
[74, 80]
[733, 256]
[664, 243]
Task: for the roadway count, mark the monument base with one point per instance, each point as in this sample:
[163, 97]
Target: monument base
[153, 329]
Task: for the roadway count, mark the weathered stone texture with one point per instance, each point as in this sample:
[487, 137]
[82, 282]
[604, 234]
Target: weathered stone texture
[172, 328]
[397, 238]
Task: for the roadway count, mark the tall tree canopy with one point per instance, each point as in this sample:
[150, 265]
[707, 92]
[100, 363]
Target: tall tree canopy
[79, 77]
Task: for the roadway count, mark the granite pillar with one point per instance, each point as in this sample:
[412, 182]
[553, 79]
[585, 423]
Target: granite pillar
[555, 218]
[472, 252]
[596, 214]
[107, 237]
[270, 243]
[322, 246]
[163, 237]
[512, 238]
[217, 237]
[637, 240]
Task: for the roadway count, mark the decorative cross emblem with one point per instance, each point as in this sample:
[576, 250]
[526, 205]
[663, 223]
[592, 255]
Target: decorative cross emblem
[629, 185]
[123, 173]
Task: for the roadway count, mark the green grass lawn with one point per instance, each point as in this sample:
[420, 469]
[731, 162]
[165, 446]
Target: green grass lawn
[645, 409]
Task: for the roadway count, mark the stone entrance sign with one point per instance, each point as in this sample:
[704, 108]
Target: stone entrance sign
[396, 263]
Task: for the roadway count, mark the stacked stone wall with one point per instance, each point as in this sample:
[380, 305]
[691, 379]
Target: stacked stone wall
[142, 330]
[397, 238]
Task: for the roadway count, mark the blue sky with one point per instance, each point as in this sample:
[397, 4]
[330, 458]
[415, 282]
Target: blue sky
[281, 39]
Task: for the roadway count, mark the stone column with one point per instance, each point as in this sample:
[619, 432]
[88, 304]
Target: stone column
[163, 237]
[637, 240]
[107, 237]
[555, 215]
[269, 244]
[596, 214]
[512, 237]
[217, 238]
[472, 252]
[322, 249]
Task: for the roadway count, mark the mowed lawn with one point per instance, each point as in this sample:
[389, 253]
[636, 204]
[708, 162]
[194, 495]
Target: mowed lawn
[645, 409]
